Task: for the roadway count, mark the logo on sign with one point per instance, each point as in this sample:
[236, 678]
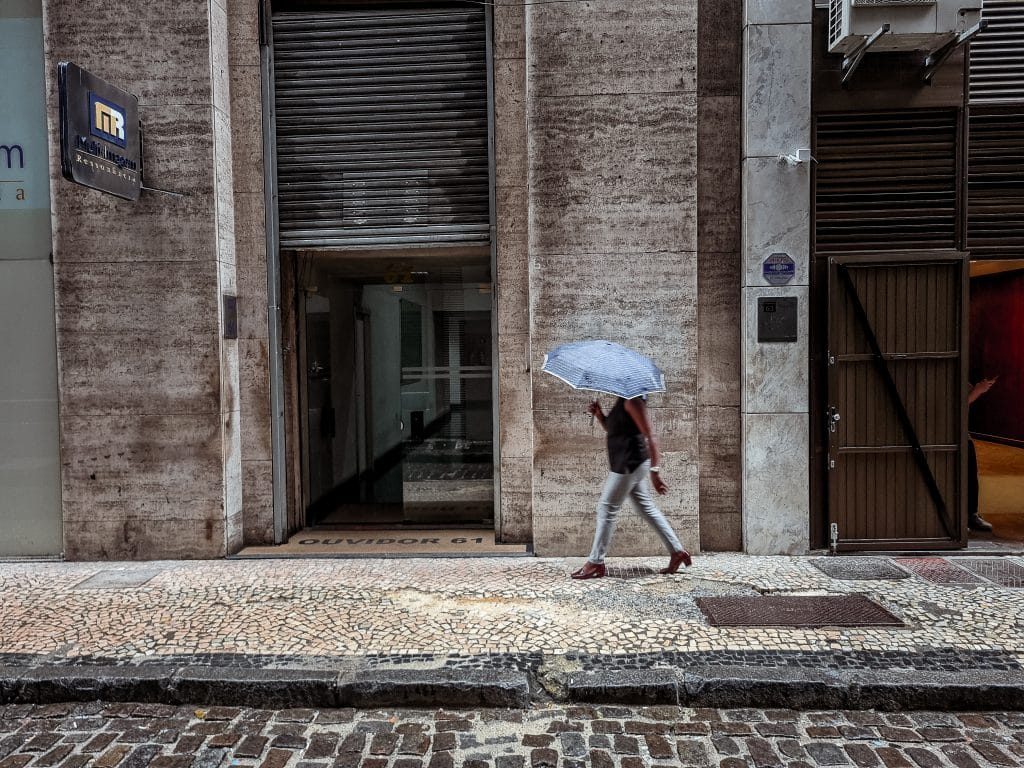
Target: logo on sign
[106, 120]
[778, 269]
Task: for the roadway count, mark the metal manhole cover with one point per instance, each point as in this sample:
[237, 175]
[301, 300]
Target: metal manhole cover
[630, 572]
[117, 579]
[796, 611]
[1003, 572]
[938, 570]
[859, 568]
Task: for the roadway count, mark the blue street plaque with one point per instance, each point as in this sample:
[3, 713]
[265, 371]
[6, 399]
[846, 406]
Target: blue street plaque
[779, 269]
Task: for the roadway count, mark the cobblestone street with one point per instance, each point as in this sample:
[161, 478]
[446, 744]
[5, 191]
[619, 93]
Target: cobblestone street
[162, 736]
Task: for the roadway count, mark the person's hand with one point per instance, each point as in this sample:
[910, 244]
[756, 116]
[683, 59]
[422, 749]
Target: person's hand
[980, 389]
[594, 409]
[658, 483]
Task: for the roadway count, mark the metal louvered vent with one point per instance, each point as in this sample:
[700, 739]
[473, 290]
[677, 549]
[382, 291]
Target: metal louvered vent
[382, 135]
[995, 182]
[885, 181]
[997, 54]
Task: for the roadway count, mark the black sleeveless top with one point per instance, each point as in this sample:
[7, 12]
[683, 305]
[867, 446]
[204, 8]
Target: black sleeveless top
[627, 448]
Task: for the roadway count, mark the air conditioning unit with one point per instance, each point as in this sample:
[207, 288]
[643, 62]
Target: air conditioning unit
[914, 25]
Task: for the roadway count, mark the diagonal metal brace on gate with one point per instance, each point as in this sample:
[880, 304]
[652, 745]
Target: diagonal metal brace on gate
[897, 401]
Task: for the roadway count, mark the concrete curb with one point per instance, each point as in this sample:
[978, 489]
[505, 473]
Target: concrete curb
[716, 687]
[266, 688]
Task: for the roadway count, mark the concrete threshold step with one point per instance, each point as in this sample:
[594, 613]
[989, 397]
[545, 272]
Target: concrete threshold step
[712, 686]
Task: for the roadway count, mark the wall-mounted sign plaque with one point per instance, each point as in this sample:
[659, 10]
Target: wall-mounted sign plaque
[779, 269]
[100, 145]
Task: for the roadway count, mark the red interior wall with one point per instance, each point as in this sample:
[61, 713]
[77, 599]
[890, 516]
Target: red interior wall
[997, 349]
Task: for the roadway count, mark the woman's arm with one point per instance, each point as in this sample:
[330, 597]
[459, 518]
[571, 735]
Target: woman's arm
[597, 413]
[637, 409]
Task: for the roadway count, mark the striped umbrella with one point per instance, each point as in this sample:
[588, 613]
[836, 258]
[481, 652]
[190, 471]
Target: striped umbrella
[604, 366]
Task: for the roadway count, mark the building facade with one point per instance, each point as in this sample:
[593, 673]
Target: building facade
[364, 224]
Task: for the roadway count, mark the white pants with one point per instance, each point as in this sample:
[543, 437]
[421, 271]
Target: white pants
[636, 486]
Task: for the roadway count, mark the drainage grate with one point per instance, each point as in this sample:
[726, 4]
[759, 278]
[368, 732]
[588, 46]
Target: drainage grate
[1003, 572]
[859, 568]
[796, 611]
[116, 579]
[938, 570]
[630, 572]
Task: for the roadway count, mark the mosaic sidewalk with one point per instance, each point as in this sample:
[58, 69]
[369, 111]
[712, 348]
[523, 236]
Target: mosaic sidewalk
[366, 618]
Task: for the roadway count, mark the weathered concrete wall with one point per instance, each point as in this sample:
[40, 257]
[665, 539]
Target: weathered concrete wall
[149, 389]
[612, 109]
[512, 278]
[719, 157]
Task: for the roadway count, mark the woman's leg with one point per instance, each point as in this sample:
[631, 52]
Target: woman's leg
[615, 489]
[640, 492]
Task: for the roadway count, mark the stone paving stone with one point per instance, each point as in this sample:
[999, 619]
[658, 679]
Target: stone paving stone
[959, 756]
[862, 755]
[924, 757]
[992, 753]
[824, 753]
[893, 758]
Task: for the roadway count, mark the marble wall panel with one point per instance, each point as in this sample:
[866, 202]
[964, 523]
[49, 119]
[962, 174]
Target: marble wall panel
[720, 47]
[247, 129]
[510, 140]
[219, 68]
[608, 47]
[603, 296]
[164, 57]
[719, 157]
[136, 537]
[243, 33]
[777, 217]
[152, 298]
[776, 496]
[509, 30]
[775, 375]
[516, 500]
[777, 100]
[123, 372]
[613, 173]
[777, 11]
[258, 502]
[513, 284]
[718, 329]
[254, 392]
[129, 463]
[720, 468]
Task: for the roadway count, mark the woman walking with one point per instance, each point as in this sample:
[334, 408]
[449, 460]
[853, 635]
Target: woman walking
[632, 457]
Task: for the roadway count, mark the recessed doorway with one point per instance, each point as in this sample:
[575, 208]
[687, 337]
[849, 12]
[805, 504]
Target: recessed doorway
[396, 390]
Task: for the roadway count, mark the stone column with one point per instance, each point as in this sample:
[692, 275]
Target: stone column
[611, 100]
[776, 206]
[512, 278]
[148, 385]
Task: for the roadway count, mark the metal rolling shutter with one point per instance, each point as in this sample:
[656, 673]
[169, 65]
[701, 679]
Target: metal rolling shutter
[997, 55]
[885, 181]
[995, 183]
[382, 135]
[995, 144]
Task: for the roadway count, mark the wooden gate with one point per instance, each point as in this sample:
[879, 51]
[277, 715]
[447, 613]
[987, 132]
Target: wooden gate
[896, 410]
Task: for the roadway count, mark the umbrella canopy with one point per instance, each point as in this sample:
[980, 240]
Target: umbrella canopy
[604, 366]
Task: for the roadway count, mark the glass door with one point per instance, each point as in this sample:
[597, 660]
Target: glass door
[398, 393]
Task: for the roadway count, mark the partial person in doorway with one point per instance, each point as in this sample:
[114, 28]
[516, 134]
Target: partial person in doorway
[633, 458]
[975, 521]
